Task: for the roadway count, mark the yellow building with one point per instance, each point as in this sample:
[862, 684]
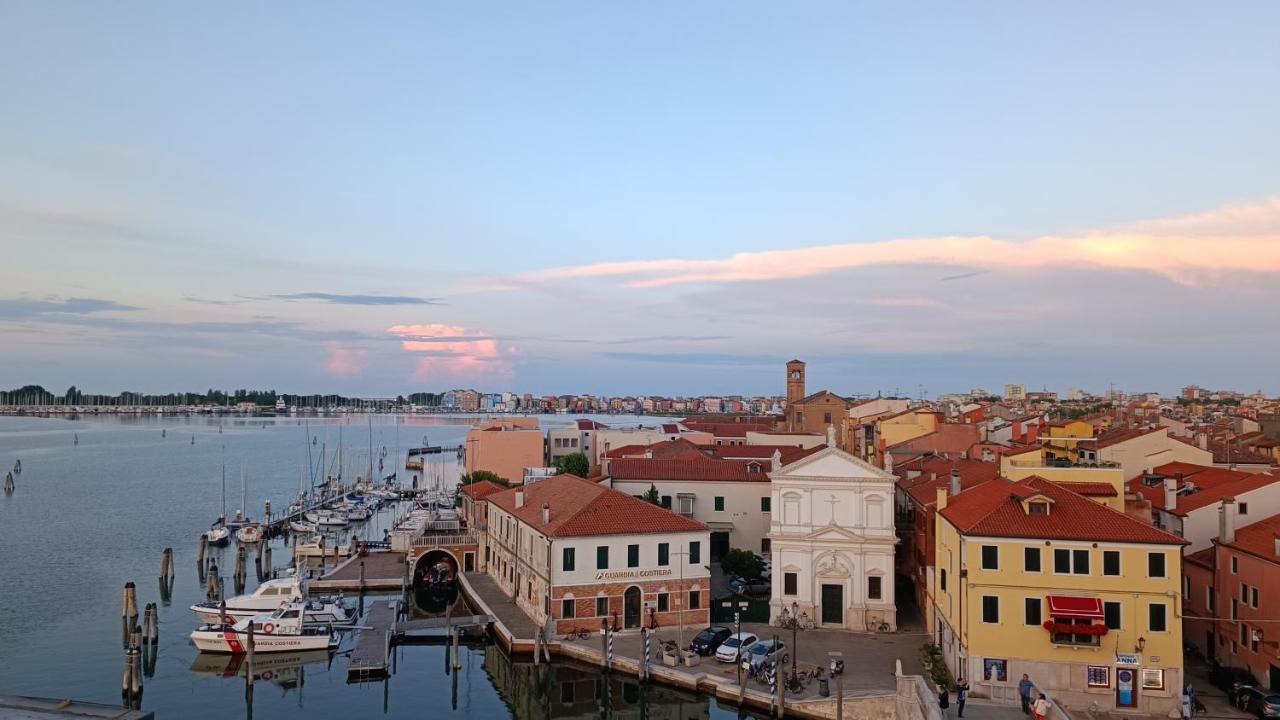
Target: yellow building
[1034, 578]
[901, 427]
[1062, 439]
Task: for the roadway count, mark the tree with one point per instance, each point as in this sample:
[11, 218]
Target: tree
[476, 476]
[574, 464]
[652, 495]
[742, 563]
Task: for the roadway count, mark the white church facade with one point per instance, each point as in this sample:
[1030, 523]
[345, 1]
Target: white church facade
[832, 542]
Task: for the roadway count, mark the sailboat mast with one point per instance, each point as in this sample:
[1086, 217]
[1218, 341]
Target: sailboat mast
[223, 516]
[370, 478]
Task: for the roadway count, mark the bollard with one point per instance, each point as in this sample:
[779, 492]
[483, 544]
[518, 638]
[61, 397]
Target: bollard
[155, 624]
[126, 682]
[608, 665]
[266, 562]
[201, 549]
[457, 661]
[130, 610]
[644, 662]
[249, 650]
[537, 649]
[362, 576]
[166, 563]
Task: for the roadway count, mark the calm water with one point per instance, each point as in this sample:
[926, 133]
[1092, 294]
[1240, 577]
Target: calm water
[87, 518]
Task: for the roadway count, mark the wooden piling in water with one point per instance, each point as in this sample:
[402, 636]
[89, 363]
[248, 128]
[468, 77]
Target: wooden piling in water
[249, 651]
[166, 563]
[130, 609]
[201, 549]
[362, 577]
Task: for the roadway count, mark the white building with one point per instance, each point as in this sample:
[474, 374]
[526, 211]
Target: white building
[832, 537]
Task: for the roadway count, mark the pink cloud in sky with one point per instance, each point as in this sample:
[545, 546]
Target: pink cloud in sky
[455, 353]
[345, 361]
[1185, 249]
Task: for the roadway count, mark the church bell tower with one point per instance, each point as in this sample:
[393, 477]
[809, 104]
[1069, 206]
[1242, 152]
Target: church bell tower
[795, 382]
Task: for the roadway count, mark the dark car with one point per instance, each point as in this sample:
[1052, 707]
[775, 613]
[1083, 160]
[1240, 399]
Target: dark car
[1230, 679]
[741, 586]
[708, 640]
[1259, 702]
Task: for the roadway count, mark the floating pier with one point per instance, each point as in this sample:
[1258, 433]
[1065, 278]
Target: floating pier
[382, 629]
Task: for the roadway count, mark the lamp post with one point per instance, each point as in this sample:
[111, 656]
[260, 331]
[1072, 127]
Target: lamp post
[836, 665]
[792, 621]
[682, 556]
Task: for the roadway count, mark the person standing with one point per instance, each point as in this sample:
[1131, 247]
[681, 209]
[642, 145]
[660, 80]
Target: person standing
[962, 694]
[1024, 693]
[944, 701]
[1040, 710]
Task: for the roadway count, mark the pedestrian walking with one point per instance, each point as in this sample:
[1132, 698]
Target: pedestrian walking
[962, 694]
[1024, 693]
[944, 701]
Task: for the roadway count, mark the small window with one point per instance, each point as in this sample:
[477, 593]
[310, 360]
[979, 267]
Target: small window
[1157, 617]
[1032, 613]
[873, 588]
[695, 552]
[764, 503]
[765, 546]
[1080, 562]
[789, 583]
[1210, 599]
[695, 599]
[1031, 559]
[567, 607]
[990, 609]
[633, 556]
[567, 559]
[1155, 564]
[826, 418]
[1062, 561]
[666, 501]
[664, 602]
[1253, 598]
[664, 554]
[1242, 508]
[990, 557]
[1110, 562]
[719, 503]
[602, 606]
[1038, 508]
[1098, 676]
[1235, 566]
[602, 557]
[942, 579]
[1111, 615]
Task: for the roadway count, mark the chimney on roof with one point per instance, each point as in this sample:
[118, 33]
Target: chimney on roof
[1278, 545]
[775, 461]
[546, 513]
[1227, 521]
[520, 498]
[1170, 494]
[1202, 439]
[941, 501]
[955, 481]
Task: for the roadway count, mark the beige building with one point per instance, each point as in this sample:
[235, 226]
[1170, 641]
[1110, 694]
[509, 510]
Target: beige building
[811, 413]
[505, 447]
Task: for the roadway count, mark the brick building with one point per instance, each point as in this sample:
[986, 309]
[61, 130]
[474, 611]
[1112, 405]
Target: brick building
[571, 552]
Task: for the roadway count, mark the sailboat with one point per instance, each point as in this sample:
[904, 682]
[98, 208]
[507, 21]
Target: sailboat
[249, 532]
[219, 535]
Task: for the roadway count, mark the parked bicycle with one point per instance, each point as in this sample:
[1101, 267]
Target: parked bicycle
[579, 634]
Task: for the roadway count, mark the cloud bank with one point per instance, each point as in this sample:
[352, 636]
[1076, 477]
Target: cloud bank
[456, 354]
[1187, 250]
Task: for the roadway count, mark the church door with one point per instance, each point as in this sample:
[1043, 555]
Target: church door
[832, 604]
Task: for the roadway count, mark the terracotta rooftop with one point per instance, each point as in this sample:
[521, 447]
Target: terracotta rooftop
[789, 453]
[1107, 438]
[1211, 484]
[1260, 538]
[482, 489]
[953, 438]
[993, 509]
[923, 489]
[737, 430]
[581, 508]
[680, 448]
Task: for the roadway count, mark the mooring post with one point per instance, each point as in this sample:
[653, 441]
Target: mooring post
[642, 672]
[130, 603]
[267, 515]
[126, 682]
[249, 646]
[166, 563]
[201, 549]
[457, 661]
[604, 643]
[362, 577]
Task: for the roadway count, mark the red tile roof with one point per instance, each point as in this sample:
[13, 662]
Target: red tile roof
[482, 489]
[953, 438]
[1260, 538]
[705, 469]
[1203, 558]
[992, 509]
[1212, 485]
[581, 508]
[1107, 438]
[1092, 489]
[790, 453]
[736, 430]
[923, 489]
[679, 448]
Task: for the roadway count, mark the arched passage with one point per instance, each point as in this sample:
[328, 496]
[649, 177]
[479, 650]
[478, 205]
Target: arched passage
[435, 567]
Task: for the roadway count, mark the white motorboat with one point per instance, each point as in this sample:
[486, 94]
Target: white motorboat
[359, 513]
[315, 546]
[280, 631]
[267, 597]
[249, 534]
[327, 518]
[218, 535]
[302, 526]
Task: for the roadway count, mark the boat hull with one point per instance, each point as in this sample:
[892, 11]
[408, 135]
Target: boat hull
[213, 616]
[230, 642]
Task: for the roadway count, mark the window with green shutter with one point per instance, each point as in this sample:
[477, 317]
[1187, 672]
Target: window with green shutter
[719, 503]
[602, 557]
[633, 556]
[664, 554]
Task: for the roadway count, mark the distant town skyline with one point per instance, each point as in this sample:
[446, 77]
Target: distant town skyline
[667, 200]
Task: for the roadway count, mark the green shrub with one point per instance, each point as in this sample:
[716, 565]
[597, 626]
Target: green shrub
[935, 668]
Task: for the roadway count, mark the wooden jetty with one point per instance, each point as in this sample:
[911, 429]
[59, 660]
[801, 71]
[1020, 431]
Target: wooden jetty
[372, 571]
[382, 629]
[29, 708]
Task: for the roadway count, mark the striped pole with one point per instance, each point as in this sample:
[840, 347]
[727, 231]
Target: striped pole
[773, 686]
[608, 663]
[648, 638]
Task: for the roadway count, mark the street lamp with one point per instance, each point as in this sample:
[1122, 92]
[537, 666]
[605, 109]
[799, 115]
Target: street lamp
[792, 621]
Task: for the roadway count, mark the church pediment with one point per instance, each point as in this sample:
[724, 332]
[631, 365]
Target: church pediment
[834, 532]
[831, 463]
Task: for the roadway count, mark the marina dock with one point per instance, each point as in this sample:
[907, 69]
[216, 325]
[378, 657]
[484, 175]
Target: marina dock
[371, 572]
[382, 629]
[29, 708]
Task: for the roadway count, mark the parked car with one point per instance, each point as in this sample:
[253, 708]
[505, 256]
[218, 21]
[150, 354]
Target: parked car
[1259, 702]
[1230, 679]
[742, 586]
[709, 639]
[732, 646]
[761, 652]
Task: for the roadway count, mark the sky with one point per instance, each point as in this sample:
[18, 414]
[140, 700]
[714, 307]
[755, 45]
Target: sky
[639, 198]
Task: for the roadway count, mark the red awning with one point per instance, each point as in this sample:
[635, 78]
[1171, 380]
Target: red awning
[1067, 606]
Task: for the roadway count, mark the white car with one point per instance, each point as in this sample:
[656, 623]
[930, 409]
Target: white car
[730, 649]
